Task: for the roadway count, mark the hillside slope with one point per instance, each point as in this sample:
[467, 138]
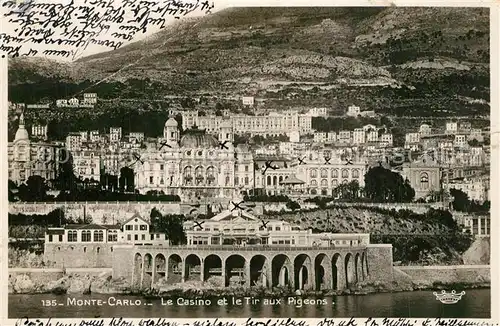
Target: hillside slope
[424, 239]
[382, 58]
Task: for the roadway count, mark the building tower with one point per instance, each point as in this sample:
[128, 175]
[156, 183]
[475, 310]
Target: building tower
[226, 134]
[171, 132]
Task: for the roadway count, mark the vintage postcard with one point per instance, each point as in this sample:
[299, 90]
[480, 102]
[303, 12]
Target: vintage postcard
[185, 159]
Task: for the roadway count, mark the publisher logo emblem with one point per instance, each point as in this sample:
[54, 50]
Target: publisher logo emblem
[449, 298]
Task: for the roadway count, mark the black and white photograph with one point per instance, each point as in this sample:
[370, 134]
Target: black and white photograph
[247, 162]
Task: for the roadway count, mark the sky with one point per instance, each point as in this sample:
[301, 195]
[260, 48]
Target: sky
[12, 25]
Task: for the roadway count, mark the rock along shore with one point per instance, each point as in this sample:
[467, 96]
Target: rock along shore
[105, 284]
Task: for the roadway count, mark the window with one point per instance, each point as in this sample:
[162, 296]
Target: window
[334, 183]
[136, 237]
[143, 227]
[86, 236]
[84, 249]
[314, 173]
[129, 237]
[345, 173]
[98, 249]
[128, 227]
[324, 173]
[246, 168]
[355, 173]
[152, 237]
[277, 228]
[150, 179]
[143, 237]
[236, 180]
[424, 179]
[72, 236]
[98, 236]
[314, 183]
[50, 237]
[112, 236]
[60, 238]
[161, 167]
[161, 181]
[136, 227]
[246, 180]
[324, 183]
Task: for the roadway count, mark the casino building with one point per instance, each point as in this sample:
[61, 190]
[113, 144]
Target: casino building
[195, 166]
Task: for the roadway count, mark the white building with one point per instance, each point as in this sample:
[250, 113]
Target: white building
[248, 100]
[451, 128]
[359, 136]
[89, 98]
[115, 134]
[353, 111]
[138, 136]
[425, 130]
[39, 131]
[73, 141]
[460, 141]
[94, 136]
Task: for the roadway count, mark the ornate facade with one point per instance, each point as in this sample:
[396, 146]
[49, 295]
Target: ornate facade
[28, 158]
[195, 166]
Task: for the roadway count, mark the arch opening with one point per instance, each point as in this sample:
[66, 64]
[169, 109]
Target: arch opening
[159, 268]
[212, 269]
[235, 270]
[281, 267]
[147, 275]
[321, 272]
[192, 268]
[259, 274]
[302, 270]
[174, 269]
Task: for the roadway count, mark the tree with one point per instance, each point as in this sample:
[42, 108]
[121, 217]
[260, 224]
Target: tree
[461, 200]
[383, 185]
[66, 179]
[293, 205]
[218, 113]
[126, 181]
[34, 190]
[171, 225]
[12, 190]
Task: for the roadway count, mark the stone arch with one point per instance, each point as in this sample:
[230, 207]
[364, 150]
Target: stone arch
[192, 268]
[235, 270]
[212, 267]
[350, 271]
[137, 271]
[193, 211]
[174, 269]
[147, 271]
[159, 269]
[259, 271]
[281, 267]
[269, 183]
[359, 268]
[364, 263]
[303, 272]
[322, 272]
[337, 276]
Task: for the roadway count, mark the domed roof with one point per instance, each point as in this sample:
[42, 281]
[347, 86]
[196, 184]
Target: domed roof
[21, 133]
[198, 139]
[171, 123]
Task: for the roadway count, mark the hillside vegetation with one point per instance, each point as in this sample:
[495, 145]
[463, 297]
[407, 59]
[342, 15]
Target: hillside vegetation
[422, 239]
[387, 59]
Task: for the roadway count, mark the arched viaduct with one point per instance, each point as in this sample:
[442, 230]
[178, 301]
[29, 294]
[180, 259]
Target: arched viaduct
[311, 268]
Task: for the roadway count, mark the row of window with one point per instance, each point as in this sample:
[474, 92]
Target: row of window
[87, 236]
[334, 173]
[142, 227]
